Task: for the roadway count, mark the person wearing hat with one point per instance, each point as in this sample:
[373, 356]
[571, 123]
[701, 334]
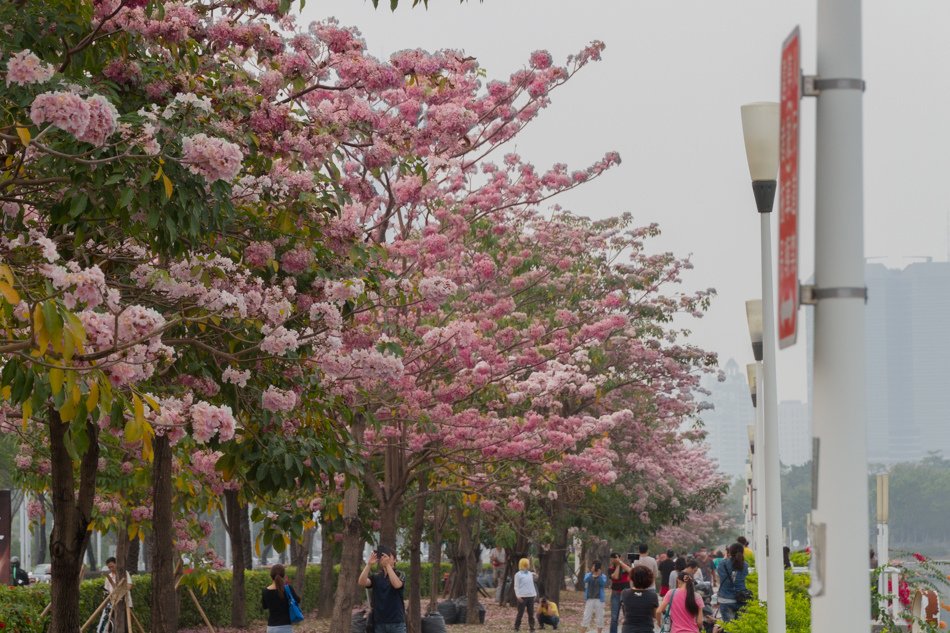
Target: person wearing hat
[18, 575]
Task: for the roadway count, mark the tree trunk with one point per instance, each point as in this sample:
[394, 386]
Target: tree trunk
[246, 536]
[388, 514]
[121, 565]
[349, 563]
[415, 556]
[552, 574]
[327, 549]
[435, 557]
[235, 514]
[299, 556]
[132, 562]
[466, 564]
[71, 516]
[164, 594]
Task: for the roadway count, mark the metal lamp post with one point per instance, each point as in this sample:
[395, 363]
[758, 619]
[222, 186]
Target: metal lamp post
[754, 372]
[760, 128]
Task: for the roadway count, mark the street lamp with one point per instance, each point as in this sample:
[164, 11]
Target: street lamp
[754, 373]
[760, 129]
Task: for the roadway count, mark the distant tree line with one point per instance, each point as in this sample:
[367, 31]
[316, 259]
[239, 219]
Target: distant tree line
[919, 503]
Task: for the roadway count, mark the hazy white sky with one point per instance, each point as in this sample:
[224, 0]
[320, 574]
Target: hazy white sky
[667, 97]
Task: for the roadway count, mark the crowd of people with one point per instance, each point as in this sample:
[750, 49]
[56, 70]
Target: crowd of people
[679, 593]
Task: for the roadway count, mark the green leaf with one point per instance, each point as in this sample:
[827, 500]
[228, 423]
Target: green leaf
[78, 205]
[125, 197]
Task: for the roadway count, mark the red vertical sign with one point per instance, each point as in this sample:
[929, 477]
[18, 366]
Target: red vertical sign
[788, 191]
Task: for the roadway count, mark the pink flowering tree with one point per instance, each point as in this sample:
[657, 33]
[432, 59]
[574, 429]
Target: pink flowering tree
[171, 271]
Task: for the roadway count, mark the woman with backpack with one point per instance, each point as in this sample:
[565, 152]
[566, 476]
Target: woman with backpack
[732, 590]
[682, 608]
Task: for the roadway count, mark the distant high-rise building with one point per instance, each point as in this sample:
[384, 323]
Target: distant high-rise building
[907, 361]
[726, 422]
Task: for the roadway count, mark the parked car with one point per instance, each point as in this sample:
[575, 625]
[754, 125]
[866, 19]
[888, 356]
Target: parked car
[40, 573]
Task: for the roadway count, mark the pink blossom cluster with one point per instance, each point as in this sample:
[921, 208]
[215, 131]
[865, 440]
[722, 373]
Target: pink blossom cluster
[208, 420]
[92, 120]
[211, 157]
[236, 377]
[280, 340]
[25, 68]
[258, 254]
[274, 399]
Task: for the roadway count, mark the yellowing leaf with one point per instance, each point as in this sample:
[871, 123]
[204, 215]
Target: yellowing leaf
[9, 293]
[6, 392]
[39, 330]
[133, 431]
[27, 411]
[147, 434]
[152, 402]
[24, 134]
[56, 379]
[68, 411]
[158, 174]
[6, 274]
[93, 398]
[339, 508]
[139, 409]
[168, 186]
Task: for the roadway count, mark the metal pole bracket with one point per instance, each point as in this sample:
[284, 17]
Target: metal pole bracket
[812, 85]
[811, 295]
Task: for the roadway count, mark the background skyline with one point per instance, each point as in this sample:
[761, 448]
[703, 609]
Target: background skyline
[667, 95]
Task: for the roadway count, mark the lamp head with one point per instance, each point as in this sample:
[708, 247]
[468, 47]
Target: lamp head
[750, 374]
[760, 128]
[753, 312]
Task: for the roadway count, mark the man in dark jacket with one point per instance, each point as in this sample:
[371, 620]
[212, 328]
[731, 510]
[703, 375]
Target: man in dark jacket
[18, 576]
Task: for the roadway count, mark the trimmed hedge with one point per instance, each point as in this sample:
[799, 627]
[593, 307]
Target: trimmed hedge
[20, 607]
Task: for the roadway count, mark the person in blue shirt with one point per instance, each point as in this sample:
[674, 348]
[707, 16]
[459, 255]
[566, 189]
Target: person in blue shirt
[732, 590]
[594, 597]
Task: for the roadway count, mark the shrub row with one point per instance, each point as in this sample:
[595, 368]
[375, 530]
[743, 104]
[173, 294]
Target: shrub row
[21, 607]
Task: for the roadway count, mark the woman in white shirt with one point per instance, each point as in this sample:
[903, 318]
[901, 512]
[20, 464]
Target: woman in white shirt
[525, 592]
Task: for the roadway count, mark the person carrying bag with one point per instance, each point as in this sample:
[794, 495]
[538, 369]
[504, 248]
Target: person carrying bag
[281, 603]
[733, 594]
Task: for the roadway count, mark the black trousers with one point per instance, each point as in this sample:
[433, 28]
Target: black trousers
[525, 603]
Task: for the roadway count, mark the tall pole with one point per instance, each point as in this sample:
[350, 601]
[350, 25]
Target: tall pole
[775, 565]
[759, 477]
[841, 509]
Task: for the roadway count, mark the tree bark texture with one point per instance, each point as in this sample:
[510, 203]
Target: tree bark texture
[465, 572]
[121, 565]
[234, 510]
[552, 572]
[415, 556]
[435, 557]
[72, 513]
[327, 560]
[164, 594]
[349, 563]
[246, 544]
[132, 562]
